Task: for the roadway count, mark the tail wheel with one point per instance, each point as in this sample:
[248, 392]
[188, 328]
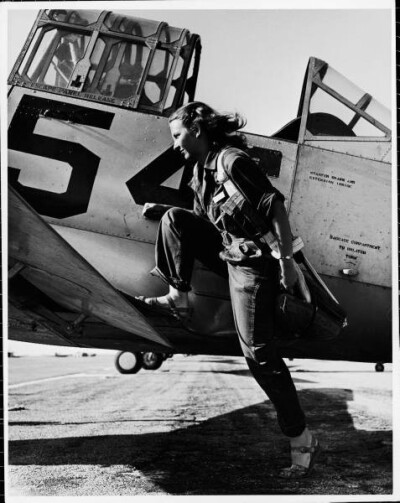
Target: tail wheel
[127, 362]
[379, 367]
[152, 361]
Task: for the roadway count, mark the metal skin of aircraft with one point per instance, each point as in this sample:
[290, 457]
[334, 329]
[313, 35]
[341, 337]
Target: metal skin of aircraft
[89, 145]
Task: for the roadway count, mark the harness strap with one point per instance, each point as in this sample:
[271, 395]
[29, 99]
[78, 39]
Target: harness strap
[236, 198]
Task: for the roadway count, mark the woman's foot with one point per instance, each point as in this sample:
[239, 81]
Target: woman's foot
[179, 301]
[305, 450]
[175, 304]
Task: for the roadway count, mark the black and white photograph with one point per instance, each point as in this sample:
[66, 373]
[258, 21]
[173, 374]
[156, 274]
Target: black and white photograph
[199, 231]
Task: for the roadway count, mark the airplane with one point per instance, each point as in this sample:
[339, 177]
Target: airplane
[89, 144]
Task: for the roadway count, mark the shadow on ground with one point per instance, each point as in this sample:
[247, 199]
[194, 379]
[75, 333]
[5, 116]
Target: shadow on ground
[235, 453]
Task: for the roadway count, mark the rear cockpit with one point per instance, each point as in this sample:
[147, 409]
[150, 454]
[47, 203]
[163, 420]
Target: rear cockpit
[333, 108]
[109, 58]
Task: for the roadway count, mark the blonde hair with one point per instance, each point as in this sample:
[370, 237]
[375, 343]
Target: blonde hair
[221, 129]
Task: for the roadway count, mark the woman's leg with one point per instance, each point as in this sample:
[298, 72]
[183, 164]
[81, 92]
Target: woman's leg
[182, 238]
[253, 293]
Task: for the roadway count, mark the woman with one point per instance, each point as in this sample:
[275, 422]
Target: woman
[218, 232]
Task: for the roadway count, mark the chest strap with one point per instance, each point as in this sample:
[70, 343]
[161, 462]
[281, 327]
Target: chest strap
[235, 202]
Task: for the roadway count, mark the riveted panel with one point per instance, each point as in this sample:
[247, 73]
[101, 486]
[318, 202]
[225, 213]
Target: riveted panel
[343, 203]
[278, 162]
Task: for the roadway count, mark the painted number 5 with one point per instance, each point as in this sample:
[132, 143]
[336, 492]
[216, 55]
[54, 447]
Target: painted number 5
[84, 163]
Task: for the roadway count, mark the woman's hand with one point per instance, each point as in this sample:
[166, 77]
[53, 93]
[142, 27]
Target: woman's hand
[154, 211]
[288, 273]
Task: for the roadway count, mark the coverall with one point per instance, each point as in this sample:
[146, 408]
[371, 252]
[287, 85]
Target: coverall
[220, 241]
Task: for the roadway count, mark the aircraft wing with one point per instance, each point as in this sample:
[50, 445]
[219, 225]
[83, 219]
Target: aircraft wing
[47, 261]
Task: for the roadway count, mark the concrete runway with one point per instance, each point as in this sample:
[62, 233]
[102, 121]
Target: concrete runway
[199, 425]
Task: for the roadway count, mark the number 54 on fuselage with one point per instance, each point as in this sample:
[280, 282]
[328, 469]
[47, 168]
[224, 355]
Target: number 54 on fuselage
[89, 144]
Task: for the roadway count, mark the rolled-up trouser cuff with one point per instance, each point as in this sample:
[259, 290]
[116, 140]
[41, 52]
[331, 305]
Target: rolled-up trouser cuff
[179, 284]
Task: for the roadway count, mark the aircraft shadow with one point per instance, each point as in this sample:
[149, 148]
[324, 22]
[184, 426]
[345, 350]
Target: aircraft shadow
[223, 361]
[246, 373]
[239, 372]
[235, 453]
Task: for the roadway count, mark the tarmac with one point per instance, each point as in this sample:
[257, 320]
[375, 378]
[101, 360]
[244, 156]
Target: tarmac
[199, 425]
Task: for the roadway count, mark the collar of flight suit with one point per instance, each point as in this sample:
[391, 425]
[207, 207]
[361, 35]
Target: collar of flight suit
[211, 161]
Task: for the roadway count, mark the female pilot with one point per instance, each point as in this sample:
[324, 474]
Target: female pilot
[219, 239]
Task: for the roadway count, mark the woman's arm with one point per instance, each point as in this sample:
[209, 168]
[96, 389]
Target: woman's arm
[262, 195]
[283, 233]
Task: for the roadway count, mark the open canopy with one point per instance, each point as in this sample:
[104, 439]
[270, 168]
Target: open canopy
[331, 106]
[106, 57]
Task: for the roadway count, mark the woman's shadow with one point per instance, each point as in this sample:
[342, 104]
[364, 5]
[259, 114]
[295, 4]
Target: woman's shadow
[235, 453]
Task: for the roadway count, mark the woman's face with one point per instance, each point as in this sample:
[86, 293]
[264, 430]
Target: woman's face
[185, 141]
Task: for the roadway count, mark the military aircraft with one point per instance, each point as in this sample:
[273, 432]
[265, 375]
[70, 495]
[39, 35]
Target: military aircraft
[89, 144]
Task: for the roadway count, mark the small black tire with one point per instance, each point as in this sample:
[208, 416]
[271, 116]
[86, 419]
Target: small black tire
[127, 362]
[152, 361]
[379, 367]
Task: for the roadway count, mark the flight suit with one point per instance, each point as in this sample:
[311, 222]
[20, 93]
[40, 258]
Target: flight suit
[218, 233]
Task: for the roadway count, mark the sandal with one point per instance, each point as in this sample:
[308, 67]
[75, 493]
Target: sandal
[153, 304]
[298, 471]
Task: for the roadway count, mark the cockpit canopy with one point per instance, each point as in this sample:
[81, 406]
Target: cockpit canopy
[106, 57]
[331, 106]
